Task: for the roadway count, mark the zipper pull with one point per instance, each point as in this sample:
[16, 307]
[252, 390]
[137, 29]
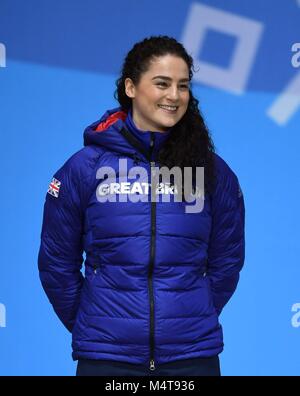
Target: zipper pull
[152, 140]
[95, 269]
[152, 137]
[152, 367]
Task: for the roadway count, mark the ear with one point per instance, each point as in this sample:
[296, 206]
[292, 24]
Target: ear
[129, 88]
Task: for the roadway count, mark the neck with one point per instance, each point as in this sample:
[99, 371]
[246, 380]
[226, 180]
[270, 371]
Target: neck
[138, 125]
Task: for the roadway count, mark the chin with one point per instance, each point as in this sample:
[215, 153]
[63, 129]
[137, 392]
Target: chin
[167, 124]
[165, 127]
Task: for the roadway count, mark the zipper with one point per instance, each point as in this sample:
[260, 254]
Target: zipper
[151, 263]
[138, 146]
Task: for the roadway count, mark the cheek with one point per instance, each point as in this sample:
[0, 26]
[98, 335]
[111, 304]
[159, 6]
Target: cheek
[151, 98]
[186, 102]
[154, 94]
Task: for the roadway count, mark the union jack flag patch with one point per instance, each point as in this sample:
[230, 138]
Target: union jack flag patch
[54, 187]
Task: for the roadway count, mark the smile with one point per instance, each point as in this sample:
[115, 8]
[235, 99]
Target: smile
[168, 109]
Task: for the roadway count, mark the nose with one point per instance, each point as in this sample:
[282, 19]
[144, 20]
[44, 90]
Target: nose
[173, 93]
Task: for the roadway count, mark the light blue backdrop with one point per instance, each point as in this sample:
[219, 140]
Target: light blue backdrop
[58, 64]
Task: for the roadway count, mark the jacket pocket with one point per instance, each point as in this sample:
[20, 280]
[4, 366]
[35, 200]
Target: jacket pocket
[95, 269]
[94, 266]
[94, 272]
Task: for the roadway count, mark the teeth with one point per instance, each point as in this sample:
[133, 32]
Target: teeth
[168, 107]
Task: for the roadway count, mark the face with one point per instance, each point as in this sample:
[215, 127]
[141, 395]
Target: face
[165, 83]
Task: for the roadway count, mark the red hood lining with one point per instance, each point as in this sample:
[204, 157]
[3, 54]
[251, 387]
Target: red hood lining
[111, 120]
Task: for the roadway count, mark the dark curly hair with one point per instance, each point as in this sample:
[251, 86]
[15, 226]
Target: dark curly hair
[190, 143]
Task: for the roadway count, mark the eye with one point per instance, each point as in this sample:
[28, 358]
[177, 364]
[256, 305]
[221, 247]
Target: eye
[182, 86]
[163, 84]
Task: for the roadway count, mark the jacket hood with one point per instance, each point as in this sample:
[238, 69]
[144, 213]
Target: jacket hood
[106, 132]
[111, 132]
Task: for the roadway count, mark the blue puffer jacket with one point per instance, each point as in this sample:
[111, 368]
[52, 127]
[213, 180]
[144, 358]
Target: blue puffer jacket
[156, 277]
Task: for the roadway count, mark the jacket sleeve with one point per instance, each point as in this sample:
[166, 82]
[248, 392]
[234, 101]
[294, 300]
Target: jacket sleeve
[60, 254]
[226, 251]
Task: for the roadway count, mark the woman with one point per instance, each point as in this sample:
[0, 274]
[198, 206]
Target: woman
[157, 276]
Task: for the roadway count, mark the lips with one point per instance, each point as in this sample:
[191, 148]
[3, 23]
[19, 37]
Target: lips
[169, 109]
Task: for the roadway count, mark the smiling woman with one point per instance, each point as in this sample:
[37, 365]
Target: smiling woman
[163, 273]
[161, 98]
[154, 89]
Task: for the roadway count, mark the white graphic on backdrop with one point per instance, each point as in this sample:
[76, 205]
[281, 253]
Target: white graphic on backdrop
[2, 55]
[247, 32]
[287, 103]
[296, 318]
[2, 315]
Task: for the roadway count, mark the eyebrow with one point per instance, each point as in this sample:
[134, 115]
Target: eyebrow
[170, 79]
